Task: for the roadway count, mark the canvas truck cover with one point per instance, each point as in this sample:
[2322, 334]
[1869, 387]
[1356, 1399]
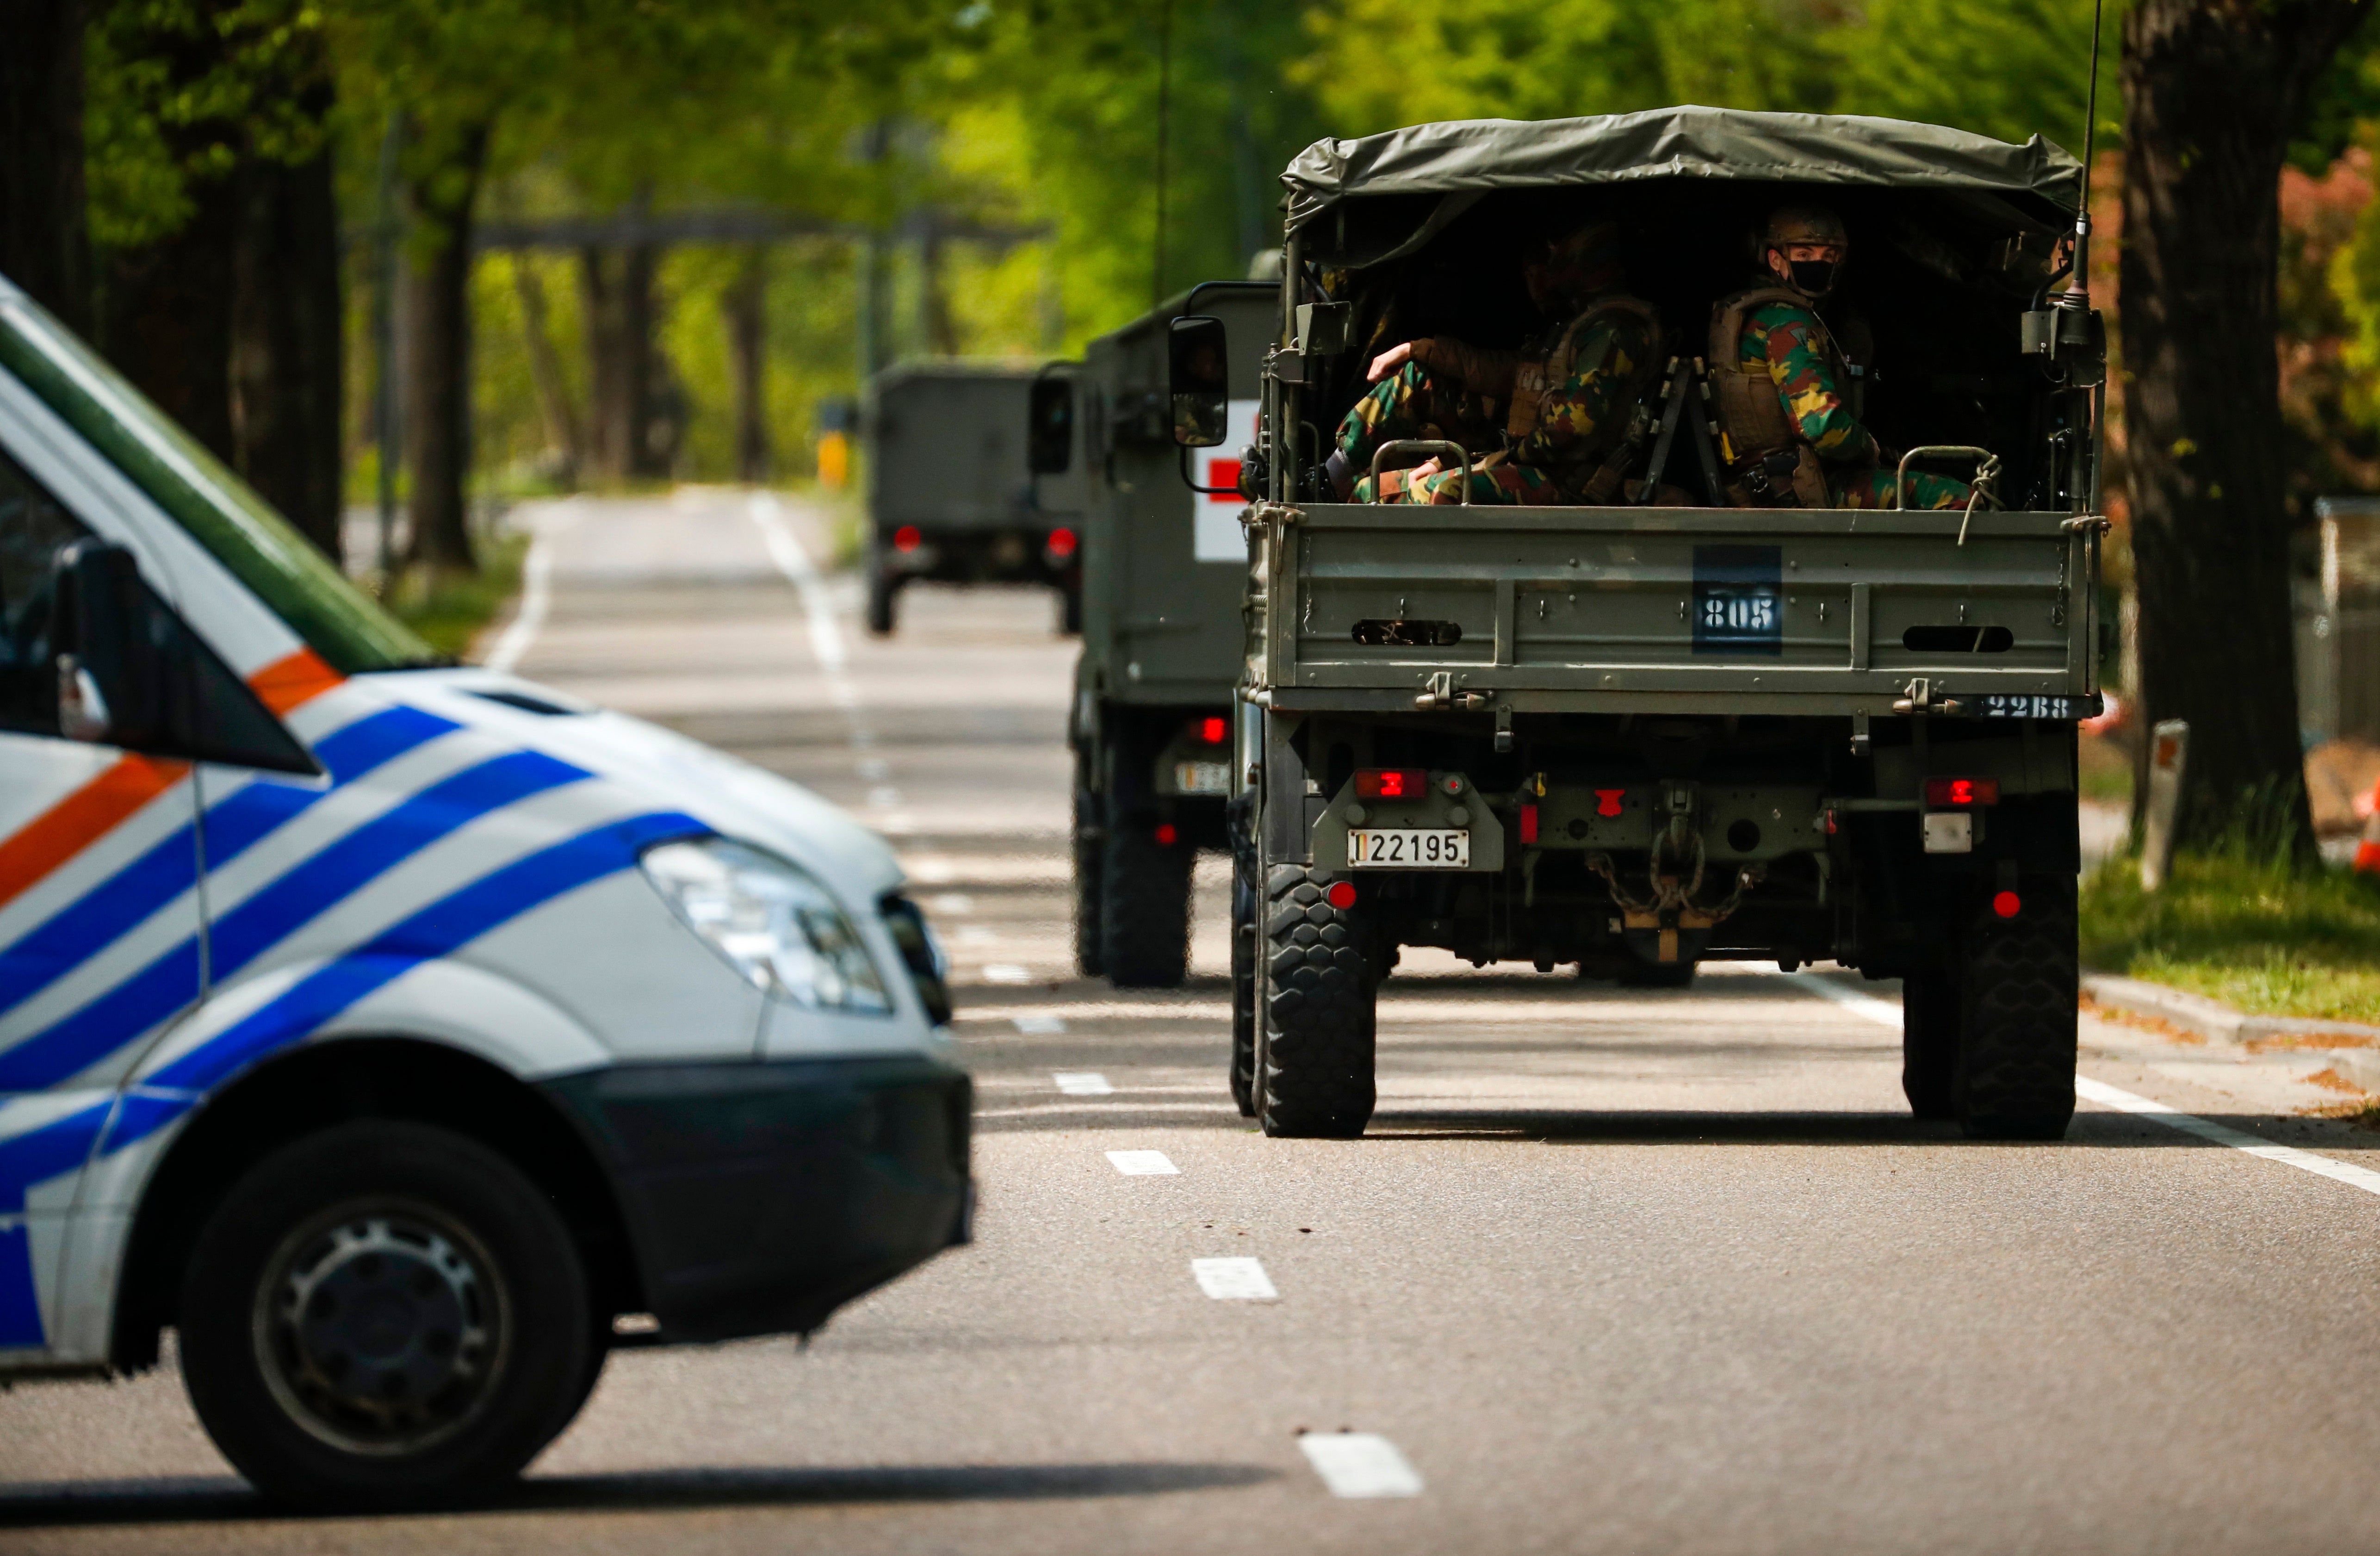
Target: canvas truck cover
[1459, 161]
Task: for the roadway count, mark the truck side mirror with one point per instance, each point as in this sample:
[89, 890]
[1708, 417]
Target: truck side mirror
[111, 681]
[1198, 379]
[1050, 437]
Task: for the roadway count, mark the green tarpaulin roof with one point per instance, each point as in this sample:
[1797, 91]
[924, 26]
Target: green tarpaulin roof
[1476, 156]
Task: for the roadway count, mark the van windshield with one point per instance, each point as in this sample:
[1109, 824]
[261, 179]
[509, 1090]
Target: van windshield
[218, 509]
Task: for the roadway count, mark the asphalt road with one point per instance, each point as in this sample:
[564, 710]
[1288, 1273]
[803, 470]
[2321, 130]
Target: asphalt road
[1613, 1271]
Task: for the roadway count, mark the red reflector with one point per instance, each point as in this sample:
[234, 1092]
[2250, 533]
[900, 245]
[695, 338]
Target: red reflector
[1831, 827]
[1212, 731]
[1390, 782]
[2008, 905]
[1528, 824]
[1340, 895]
[1061, 543]
[1957, 794]
[907, 538]
[1224, 473]
[1607, 801]
[1166, 834]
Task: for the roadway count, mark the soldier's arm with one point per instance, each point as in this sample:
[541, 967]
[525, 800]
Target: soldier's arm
[1812, 396]
[1592, 400]
[1480, 371]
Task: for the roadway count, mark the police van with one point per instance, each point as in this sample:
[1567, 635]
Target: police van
[402, 1036]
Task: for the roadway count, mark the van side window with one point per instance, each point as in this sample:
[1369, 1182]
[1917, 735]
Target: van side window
[205, 711]
[33, 529]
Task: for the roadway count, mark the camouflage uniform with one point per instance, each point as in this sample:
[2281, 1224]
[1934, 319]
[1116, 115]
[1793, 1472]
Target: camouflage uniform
[1788, 339]
[1574, 424]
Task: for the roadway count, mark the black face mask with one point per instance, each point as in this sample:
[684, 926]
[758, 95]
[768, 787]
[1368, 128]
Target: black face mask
[1815, 277]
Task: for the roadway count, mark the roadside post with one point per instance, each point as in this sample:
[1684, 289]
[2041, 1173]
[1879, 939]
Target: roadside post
[2169, 751]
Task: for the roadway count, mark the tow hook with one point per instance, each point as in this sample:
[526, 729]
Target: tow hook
[1439, 694]
[1922, 698]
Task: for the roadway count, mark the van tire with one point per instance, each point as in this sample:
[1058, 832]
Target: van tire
[883, 594]
[1318, 1002]
[462, 1240]
[1090, 907]
[1145, 907]
[2017, 1051]
[1929, 1044]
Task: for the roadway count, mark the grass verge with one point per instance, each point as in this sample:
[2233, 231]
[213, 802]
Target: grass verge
[2238, 926]
[451, 609]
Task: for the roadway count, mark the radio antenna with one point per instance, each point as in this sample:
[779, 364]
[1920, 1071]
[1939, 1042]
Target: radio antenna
[2081, 290]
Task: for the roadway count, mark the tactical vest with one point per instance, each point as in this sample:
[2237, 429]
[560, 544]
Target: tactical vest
[1539, 376]
[1752, 414]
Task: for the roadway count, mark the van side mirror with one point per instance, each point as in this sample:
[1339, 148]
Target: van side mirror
[1197, 377]
[111, 680]
[1050, 434]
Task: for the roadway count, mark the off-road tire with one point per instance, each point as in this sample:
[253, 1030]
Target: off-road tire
[1090, 866]
[1244, 931]
[1317, 1003]
[2017, 1051]
[1929, 1044]
[529, 1292]
[883, 596]
[1145, 907]
[1642, 974]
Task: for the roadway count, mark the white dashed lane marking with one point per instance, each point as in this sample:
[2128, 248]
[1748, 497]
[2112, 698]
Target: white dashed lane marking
[1233, 1280]
[1039, 1026]
[1360, 1465]
[1006, 972]
[1142, 1163]
[1081, 1083]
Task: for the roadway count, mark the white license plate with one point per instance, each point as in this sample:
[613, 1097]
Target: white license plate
[1203, 777]
[1408, 848]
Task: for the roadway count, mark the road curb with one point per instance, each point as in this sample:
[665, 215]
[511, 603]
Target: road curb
[2358, 1060]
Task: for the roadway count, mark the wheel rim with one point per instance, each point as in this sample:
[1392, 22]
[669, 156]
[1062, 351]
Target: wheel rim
[382, 1328]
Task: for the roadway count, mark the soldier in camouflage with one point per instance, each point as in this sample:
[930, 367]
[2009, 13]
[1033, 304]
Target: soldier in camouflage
[1551, 422]
[1791, 434]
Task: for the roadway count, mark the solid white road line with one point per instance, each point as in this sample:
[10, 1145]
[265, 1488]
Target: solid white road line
[2222, 1135]
[1039, 1026]
[1884, 1012]
[1082, 1083]
[1143, 1163]
[1360, 1465]
[1233, 1280]
[1116, 1107]
[537, 597]
[818, 604]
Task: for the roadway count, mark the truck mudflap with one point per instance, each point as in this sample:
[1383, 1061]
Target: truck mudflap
[761, 1197]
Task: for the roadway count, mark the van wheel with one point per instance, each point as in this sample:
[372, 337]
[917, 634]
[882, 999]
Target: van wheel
[1145, 888]
[882, 592]
[1316, 1000]
[1929, 1042]
[1090, 904]
[1244, 992]
[385, 1314]
[2015, 1056]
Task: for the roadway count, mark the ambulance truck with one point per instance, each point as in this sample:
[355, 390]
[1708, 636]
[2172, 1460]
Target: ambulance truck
[402, 1036]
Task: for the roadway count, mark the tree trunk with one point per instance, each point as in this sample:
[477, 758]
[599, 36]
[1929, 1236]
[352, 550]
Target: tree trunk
[438, 363]
[165, 316]
[2212, 95]
[617, 287]
[553, 402]
[285, 376]
[747, 345]
[45, 243]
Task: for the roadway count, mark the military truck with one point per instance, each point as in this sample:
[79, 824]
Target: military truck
[1163, 556]
[1676, 733]
[949, 496]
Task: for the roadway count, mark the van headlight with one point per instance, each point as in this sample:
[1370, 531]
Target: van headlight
[772, 922]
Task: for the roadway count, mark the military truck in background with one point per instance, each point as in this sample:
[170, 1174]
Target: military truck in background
[1558, 735]
[1163, 561]
[949, 496]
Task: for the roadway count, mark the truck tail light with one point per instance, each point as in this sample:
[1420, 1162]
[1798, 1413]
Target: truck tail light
[1390, 782]
[1062, 543]
[1212, 730]
[1528, 824]
[2008, 905]
[907, 538]
[1607, 801]
[1960, 794]
[1166, 834]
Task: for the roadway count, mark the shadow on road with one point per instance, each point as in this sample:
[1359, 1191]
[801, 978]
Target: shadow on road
[217, 1500]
